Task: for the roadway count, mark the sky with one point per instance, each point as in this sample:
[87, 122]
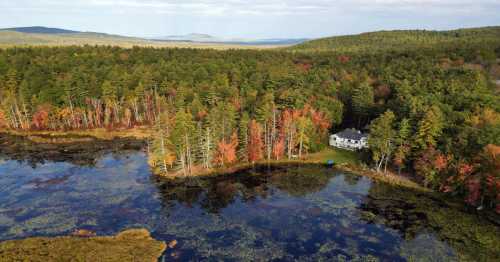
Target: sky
[248, 19]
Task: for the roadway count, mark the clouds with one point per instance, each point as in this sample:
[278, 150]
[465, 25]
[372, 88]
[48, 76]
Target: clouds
[309, 18]
[255, 7]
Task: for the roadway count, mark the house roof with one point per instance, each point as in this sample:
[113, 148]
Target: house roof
[351, 133]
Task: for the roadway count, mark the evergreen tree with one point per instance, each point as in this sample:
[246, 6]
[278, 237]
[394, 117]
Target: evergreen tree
[161, 156]
[183, 139]
[362, 102]
[243, 137]
[402, 144]
[429, 129]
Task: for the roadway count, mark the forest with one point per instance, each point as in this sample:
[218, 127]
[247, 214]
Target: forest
[428, 99]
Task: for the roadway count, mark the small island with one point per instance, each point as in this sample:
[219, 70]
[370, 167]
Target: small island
[129, 245]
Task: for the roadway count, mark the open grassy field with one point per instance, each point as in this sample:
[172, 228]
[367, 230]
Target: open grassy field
[15, 39]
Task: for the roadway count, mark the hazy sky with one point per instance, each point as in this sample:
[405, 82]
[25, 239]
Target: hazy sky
[252, 19]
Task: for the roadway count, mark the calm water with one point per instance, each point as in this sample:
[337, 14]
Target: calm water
[283, 214]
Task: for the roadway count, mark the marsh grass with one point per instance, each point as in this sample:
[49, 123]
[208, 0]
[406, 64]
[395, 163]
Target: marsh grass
[129, 245]
[48, 136]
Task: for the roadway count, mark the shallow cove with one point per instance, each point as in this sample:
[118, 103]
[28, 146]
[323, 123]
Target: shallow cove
[285, 213]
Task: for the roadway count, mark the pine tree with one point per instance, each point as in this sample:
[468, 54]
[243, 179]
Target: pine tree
[429, 129]
[403, 145]
[363, 101]
[161, 156]
[243, 137]
[183, 139]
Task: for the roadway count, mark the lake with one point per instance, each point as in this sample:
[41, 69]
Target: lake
[285, 213]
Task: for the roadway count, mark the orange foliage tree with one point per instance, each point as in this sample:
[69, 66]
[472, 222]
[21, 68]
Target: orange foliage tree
[226, 152]
[40, 119]
[3, 119]
[255, 142]
[279, 148]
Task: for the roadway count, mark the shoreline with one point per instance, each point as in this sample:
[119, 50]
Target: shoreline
[346, 161]
[390, 178]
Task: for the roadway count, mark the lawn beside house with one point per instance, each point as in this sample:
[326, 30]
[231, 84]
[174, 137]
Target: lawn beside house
[339, 156]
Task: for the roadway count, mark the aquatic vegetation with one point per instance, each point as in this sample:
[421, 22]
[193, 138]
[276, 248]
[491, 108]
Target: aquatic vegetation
[49, 223]
[281, 212]
[82, 150]
[129, 245]
[410, 212]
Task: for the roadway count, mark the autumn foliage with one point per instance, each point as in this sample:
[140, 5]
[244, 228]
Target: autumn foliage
[40, 119]
[279, 148]
[226, 151]
[255, 144]
[343, 59]
[3, 120]
[479, 180]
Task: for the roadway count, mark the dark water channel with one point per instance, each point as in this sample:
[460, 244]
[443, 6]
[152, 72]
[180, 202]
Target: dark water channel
[305, 213]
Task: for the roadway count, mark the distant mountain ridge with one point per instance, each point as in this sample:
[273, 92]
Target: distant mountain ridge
[40, 30]
[195, 38]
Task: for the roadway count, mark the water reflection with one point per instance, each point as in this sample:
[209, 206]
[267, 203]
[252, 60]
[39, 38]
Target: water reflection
[286, 213]
[216, 193]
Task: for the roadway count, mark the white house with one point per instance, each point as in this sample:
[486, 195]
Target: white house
[351, 139]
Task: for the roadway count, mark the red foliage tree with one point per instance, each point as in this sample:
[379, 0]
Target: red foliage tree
[226, 152]
[464, 170]
[344, 59]
[255, 142]
[3, 119]
[40, 119]
[320, 121]
[201, 115]
[473, 186]
[305, 67]
[441, 162]
[279, 148]
[382, 91]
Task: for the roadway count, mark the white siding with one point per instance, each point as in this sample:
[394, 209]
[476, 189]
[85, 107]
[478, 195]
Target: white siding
[350, 144]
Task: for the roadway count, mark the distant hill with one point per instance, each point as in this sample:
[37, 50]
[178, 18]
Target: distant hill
[13, 38]
[39, 30]
[400, 40]
[39, 35]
